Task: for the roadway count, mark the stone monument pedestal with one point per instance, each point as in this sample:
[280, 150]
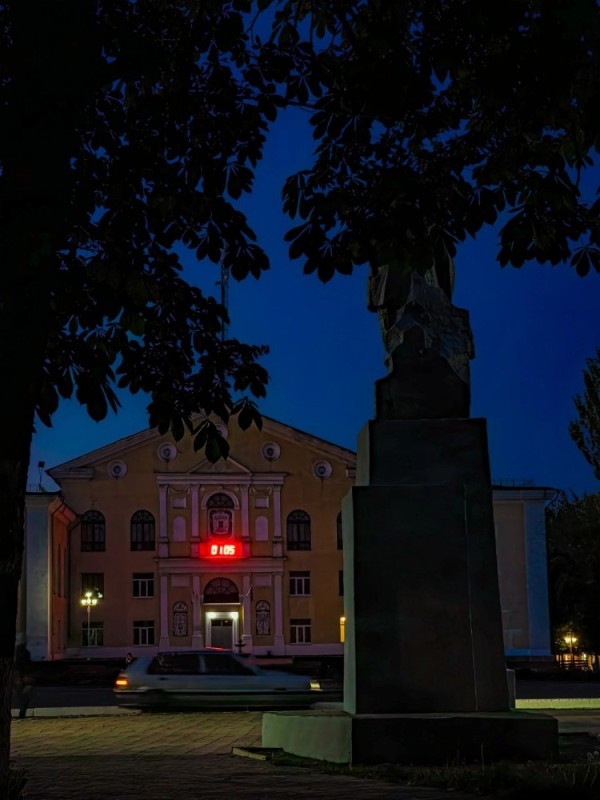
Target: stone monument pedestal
[333, 735]
[424, 669]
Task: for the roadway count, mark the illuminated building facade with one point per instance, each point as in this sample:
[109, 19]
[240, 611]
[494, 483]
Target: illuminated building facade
[246, 553]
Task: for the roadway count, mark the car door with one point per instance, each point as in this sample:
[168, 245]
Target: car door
[230, 681]
[176, 676]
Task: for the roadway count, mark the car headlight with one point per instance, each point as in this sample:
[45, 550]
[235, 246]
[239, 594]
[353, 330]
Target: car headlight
[315, 686]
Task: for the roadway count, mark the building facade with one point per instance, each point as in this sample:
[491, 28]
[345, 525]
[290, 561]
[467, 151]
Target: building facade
[246, 553]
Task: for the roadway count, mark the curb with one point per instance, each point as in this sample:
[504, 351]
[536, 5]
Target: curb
[586, 703]
[543, 704]
[78, 711]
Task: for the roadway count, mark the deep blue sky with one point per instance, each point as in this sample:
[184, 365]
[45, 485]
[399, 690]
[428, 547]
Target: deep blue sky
[533, 329]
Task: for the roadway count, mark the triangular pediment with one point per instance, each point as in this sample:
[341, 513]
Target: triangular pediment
[85, 465]
[222, 466]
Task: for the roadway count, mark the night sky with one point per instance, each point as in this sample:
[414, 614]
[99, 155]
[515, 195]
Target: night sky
[533, 327]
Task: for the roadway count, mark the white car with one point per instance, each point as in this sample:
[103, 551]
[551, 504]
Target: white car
[212, 678]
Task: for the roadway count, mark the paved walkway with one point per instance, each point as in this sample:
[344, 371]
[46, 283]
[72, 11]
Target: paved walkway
[134, 756]
[173, 757]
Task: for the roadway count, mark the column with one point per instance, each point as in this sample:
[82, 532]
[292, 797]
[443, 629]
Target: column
[195, 512]
[245, 521]
[244, 512]
[277, 540]
[278, 642]
[197, 632]
[247, 612]
[194, 545]
[164, 612]
[163, 542]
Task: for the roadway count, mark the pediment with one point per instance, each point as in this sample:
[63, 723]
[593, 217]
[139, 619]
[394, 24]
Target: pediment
[223, 466]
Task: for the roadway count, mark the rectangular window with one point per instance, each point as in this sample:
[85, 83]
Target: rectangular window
[300, 631]
[143, 584]
[143, 632]
[92, 582]
[92, 636]
[299, 583]
[341, 582]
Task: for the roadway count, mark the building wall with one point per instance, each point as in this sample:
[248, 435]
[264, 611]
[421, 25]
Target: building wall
[42, 617]
[522, 570]
[151, 473]
[177, 492]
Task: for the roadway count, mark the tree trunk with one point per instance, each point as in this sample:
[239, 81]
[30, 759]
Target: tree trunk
[23, 333]
[50, 56]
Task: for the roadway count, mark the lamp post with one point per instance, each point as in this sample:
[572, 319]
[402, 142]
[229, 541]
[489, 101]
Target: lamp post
[570, 639]
[89, 599]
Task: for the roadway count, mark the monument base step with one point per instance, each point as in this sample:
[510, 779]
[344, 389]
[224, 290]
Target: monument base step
[333, 735]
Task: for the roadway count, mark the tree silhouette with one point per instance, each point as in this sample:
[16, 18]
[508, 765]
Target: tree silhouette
[585, 431]
[130, 128]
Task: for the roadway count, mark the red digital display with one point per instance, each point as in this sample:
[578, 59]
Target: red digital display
[221, 550]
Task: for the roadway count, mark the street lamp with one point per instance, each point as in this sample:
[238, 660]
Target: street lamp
[570, 639]
[89, 599]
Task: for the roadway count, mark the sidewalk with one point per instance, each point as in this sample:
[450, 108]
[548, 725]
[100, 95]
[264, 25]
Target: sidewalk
[114, 754]
[174, 757]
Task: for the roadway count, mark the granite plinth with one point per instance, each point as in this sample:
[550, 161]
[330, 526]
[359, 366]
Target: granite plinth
[422, 605]
[423, 452]
[422, 608]
[425, 676]
[335, 736]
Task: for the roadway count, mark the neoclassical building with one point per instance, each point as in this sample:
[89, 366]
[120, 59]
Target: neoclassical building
[246, 553]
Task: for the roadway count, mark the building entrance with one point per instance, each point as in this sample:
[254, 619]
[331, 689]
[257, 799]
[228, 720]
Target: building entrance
[221, 633]
[221, 629]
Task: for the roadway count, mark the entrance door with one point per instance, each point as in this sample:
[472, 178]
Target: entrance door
[221, 633]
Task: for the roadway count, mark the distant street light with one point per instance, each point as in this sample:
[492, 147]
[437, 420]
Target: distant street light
[89, 599]
[570, 639]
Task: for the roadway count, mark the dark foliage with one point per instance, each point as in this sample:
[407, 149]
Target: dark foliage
[130, 129]
[573, 526]
[585, 431]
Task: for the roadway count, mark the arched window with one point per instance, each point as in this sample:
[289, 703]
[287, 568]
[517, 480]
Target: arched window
[142, 531]
[93, 531]
[340, 538]
[298, 530]
[220, 515]
[221, 590]
[219, 500]
[180, 619]
[263, 618]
